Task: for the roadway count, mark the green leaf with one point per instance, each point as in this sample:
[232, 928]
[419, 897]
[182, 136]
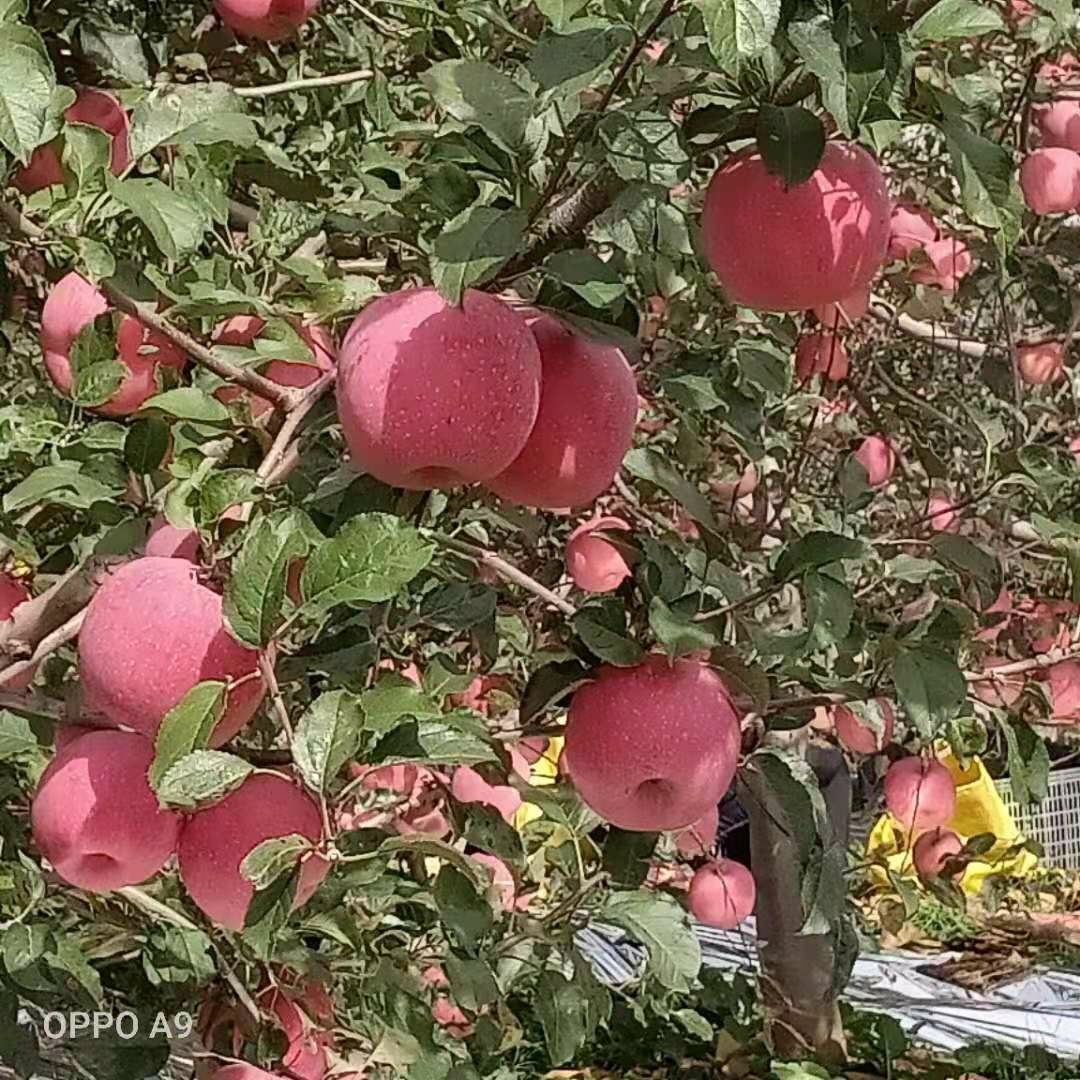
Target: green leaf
[202, 777]
[96, 372]
[189, 115]
[594, 280]
[189, 403]
[16, 736]
[263, 865]
[791, 141]
[985, 171]
[370, 559]
[959, 553]
[466, 914]
[187, 726]
[62, 485]
[458, 738]
[87, 154]
[739, 30]
[175, 222]
[549, 685]
[27, 83]
[146, 445]
[562, 1008]
[255, 591]
[796, 789]
[474, 246]
[570, 62]
[829, 608]
[392, 698]
[472, 982]
[118, 53]
[560, 12]
[327, 736]
[653, 466]
[661, 925]
[815, 549]
[602, 627]
[644, 146]
[475, 92]
[676, 631]
[931, 687]
[950, 19]
[1029, 762]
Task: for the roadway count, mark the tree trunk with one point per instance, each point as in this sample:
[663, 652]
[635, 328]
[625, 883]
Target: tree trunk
[797, 970]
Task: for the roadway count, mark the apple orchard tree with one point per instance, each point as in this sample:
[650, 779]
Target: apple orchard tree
[447, 448]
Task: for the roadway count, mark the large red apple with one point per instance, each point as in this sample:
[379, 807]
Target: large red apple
[95, 817]
[215, 842]
[94, 108]
[722, 894]
[920, 794]
[242, 330]
[1059, 123]
[153, 631]
[588, 407]
[433, 396]
[785, 248]
[267, 20]
[933, 850]
[654, 746]
[1050, 180]
[72, 304]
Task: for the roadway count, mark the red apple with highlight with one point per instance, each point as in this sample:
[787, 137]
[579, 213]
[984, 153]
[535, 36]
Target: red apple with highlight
[919, 793]
[265, 20]
[722, 894]
[1050, 180]
[594, 563]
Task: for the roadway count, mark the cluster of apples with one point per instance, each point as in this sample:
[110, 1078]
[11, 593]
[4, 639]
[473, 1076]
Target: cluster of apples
[1050, 174]
[94, 814]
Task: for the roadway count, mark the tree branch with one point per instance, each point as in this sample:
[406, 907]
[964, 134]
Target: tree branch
[280, 460]
[925, 331]
[505, 570]
[1020, 667]
[314, 83]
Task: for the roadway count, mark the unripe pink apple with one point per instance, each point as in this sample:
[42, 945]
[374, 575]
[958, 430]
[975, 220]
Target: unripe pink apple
[74, 303]
[1050, 179]
[241, 1072]
[920, 794]
[267, 20]
[654, 746]
[791, 248]
[434, 396]
[1040, 362]
[1061, 70]
[451, 1019]
[878, 458]
[845, 312]
[933, 850]
[242, 330]
[722, 894]
[305, 1056]
[733, 490]
[860, 737]
[942, 515]
[168, 542]
[595, 564]
[153, 631]
[947, 262]
[1074, 448]
[96, 109]
[13, 593]
[1018, 12]
[911, 228]
[588, 408]
[1059, 123]
[699, 837]
[1064, 681]
[821, 353]
[468, 786]
[94, 816]
[214, 843]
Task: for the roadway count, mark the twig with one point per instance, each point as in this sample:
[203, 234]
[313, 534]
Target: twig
[28, 704]
[640, 41]
[48, 644]
[266, 667]
[1019, 667]
[279, 396]
[925, 331]
[277, 464]
[751, 598]
[505, 569]
[315, 83]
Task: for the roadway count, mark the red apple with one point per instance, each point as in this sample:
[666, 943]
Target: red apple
[698, 838]
[588, 408]
[877, 456]
[654, 746]
[864, 736]
[791, 248]
[267, 20]
[821, 353]
[1040, 362]
[595, 564]
[911, 229]
[1050, 179]
[1059, 123]
[933, 850]
[722, 894]
[846, 312]
[434, 396]
[919, 793]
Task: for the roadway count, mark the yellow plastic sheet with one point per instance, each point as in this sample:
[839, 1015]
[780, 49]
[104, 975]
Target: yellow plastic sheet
[979, 809]
[543, 773]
